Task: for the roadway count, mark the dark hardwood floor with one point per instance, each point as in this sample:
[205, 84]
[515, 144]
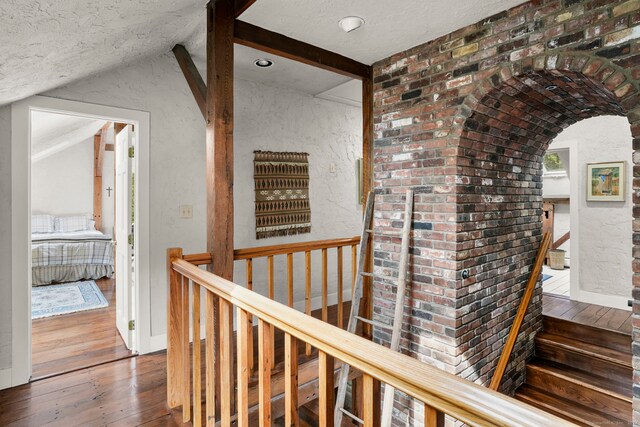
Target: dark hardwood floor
[587, 314]
[78, 340]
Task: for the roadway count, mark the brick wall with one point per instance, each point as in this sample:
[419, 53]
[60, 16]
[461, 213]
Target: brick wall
[464, 120]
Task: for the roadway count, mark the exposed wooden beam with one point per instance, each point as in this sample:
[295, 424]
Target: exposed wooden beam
[97, 183]
[278, 44]
[99, 146]
[191, 74]
[242, 5]
[219, 135]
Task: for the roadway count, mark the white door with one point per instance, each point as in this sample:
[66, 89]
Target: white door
[125, 321]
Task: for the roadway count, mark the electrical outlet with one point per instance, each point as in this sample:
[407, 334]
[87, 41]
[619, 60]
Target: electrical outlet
[186, 211]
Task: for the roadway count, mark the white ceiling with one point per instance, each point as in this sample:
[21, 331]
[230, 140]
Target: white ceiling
[391, 26]
[52, 132]
[49, 43]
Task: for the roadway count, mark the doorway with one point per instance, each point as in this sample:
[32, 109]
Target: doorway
[81, 217]
[119, 326]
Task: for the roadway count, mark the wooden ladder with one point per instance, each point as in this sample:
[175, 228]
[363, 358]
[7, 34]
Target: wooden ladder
[354, 317]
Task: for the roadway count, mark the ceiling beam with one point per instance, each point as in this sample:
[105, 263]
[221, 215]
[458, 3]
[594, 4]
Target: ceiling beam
[242, 5]
[219, 137]
[278, 44]
[191, 74]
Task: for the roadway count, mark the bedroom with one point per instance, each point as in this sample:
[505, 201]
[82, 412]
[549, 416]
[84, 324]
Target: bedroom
[77, 217]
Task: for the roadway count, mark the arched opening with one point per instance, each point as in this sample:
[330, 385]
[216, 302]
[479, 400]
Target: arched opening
[506, 130]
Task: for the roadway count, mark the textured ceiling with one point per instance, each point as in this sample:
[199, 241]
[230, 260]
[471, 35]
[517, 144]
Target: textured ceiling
[391, 26]
[49, 43]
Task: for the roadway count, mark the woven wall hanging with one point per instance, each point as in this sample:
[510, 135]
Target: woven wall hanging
[282, 194]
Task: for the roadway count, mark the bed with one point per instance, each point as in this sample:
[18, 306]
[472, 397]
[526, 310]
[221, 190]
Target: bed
[68, 249]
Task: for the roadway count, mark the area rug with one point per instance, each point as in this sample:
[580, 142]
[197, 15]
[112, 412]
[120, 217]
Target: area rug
[282, 193]
[53, 300]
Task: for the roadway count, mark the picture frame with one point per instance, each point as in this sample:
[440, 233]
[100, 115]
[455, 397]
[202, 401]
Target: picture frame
[606, 182]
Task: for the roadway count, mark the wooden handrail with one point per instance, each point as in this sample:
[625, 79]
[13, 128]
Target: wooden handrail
[288, 248]
[461, 399]
[522, 310]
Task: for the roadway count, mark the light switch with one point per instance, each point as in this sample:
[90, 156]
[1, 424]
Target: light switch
[333, 168]
[186, 211]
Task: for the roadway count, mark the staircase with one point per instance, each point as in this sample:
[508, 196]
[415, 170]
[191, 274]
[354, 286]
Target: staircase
[580, 373]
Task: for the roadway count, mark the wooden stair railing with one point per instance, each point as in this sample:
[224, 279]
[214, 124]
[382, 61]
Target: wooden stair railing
[440, 392]
[249, 255]
[522, 310]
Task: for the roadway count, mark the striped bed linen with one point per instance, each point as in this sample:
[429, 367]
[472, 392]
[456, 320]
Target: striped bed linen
[66, 257]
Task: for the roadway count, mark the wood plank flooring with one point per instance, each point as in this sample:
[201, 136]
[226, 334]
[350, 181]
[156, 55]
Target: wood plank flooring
[127, 392]
[77, 340]
[587, 314]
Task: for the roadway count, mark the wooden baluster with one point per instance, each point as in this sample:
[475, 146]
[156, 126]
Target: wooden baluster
[265, 350]
[354, 266]
[226, 362]
[271, 288]
[197, 363]
[433, 417]
[210, 359]
[371, 404]
[291, 380]
[249, 316]
[174, 331]
[325, 290]
[290, 277]
[270, 276]
[340, 308]
[244, 371]
[307, 292]
[326, 389]
[186, 363]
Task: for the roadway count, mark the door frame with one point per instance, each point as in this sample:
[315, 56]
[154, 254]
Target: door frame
[21, 220]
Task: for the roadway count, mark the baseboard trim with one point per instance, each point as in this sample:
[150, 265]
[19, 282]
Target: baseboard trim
[159, 342]
[5, 378]
[614, 301]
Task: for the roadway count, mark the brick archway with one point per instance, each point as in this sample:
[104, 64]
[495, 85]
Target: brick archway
[506, 127]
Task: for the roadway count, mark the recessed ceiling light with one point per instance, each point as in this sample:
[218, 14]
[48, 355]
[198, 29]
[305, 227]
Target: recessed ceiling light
[551, 87]
[263, 63]
[350, 23]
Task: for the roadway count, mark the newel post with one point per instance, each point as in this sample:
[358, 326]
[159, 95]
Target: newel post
[175, 358]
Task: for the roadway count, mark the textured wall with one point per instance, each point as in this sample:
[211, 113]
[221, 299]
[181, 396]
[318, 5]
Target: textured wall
[266, 118]
[605, 239]
[5, 237]
[465, 120]
[269, 118]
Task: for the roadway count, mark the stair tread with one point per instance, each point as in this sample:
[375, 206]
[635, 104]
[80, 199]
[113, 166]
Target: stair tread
[620, 388]
[602, 336]
[604, 353]
[565, 408]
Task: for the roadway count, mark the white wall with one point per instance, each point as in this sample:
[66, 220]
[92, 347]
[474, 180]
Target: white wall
[601, 232]
[266, 118]
[62, 184]
[274, 119]
[5, 239]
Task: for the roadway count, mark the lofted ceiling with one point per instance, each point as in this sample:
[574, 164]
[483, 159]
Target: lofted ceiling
[53, 132]
[49, 43]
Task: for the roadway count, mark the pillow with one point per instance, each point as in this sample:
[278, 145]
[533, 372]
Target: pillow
[67, 224]
[42, 224]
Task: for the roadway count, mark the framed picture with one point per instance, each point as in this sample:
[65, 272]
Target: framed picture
[605, 182]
